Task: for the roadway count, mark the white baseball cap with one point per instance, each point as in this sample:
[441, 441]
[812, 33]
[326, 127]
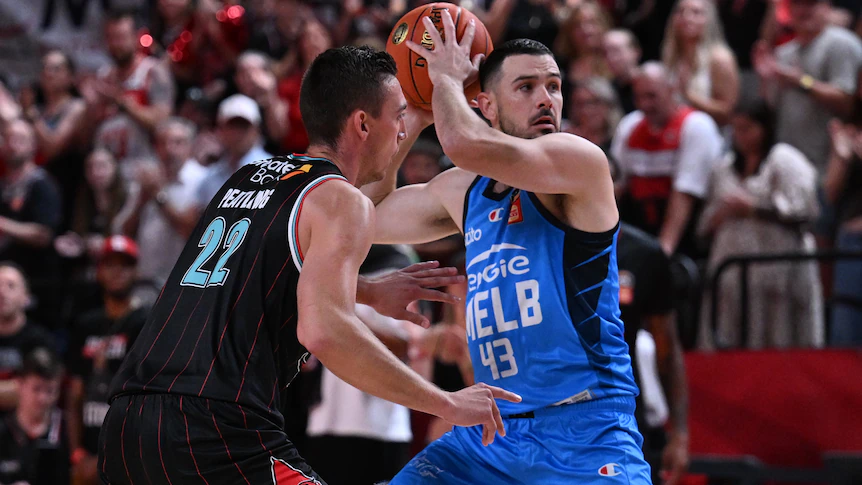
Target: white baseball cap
[239, 106]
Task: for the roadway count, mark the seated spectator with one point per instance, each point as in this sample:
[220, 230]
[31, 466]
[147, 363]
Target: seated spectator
[313, 40]
[810, 80]
[623, 55]
[166, 209]
[100, 341]
[255, 79]
[58, 114]
[238, 131]
[98, 211]
[762, 195]
[665, 152]
[131, 97]
[30, 210]
[578, 46]
[699, 60]
[646, 303]
[33, 447]
[594, 111]
[18, 336]
[843, 188]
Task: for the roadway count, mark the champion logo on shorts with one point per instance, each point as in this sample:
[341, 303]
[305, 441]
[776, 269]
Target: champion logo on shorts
[284, 474]
[610, 470]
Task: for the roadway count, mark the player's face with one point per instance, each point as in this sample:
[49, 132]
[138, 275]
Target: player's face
[386, 131]
[13, 293]
[38, 394]
[527, 96]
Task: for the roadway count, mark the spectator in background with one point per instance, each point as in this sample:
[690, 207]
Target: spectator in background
[30, 208]
[743, 20]
[277, 35]
[166, 209]
[255, 79]
[594, 111]
[810, 79]
[100, 341]
[579, 44]
[18, 336]
[33, 447]
[527, 19]
[98, 210]
[843, 188]
[131, 97]
[58, 115]
[762, 195]
[623, 55]
[646, 303]
[665, 152]
[699, 60]
[313, 40]
[238, 130]
[422, 162]
[178, 33]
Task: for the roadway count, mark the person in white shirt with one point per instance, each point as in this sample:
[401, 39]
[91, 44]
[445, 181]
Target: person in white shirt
[665, 152]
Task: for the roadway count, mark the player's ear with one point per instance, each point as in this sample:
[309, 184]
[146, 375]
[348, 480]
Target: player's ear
[487, 106]
[359, 123]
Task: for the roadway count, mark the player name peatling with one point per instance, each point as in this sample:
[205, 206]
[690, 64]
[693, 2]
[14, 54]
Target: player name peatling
[245, 199]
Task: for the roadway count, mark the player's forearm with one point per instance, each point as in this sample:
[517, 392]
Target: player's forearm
[349, 349]
[459, 129]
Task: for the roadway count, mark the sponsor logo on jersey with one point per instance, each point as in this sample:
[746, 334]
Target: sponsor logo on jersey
[472, 235]
[496, 215]
[610, 470]
[515, 213]
[300, 170]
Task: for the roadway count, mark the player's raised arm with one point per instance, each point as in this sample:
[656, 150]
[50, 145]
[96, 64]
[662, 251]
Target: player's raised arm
[559, 163]
[335, 230]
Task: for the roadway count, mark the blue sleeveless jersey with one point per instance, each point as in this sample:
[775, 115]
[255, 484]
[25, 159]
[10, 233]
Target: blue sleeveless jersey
[543, 316]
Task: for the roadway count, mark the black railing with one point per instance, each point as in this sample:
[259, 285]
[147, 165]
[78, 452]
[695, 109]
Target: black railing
[745, 261]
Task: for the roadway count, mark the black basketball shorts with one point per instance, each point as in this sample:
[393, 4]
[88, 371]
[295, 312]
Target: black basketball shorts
[172, 440]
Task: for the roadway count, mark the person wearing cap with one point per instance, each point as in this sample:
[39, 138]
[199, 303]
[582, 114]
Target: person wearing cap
[99, 342]
[238, 131]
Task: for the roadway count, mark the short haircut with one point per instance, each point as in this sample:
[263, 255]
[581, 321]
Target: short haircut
[16, 267]
[41, 362]
[339, 82]
[494, 62]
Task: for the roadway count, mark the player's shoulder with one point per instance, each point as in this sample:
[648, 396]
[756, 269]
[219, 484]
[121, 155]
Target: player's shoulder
[335, 197]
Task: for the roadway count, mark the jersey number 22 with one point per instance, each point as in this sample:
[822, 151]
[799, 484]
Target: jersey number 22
[211, 241]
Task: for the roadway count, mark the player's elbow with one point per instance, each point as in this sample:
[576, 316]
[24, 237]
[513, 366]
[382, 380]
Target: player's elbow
[313, 336]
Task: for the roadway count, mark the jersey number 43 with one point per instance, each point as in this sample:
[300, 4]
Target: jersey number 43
[211, 241]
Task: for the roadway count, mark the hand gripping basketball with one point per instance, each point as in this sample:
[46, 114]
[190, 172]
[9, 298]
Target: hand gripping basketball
[449, 59]
[477, 405]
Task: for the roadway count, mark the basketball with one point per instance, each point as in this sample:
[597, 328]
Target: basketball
[412, 69]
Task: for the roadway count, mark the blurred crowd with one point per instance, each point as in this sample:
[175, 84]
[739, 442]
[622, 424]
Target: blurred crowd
[733, 128]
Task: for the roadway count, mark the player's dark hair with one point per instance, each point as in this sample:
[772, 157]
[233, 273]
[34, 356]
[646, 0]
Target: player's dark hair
[516, 47]
[339, 82]
[42, 362]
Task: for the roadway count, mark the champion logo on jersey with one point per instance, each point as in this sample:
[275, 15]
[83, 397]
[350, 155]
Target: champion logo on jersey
[610, 470]
[496, 215]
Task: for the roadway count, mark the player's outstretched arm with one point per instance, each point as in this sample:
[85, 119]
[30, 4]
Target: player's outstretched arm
[335, 232]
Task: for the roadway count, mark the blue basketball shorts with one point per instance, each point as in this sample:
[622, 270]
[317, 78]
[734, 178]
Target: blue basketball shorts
[594, 442]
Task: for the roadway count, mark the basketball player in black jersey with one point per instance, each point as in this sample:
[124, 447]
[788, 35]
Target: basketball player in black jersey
[270, 274]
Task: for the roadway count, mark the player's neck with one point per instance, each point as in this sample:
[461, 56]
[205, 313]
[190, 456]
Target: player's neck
[348, 164]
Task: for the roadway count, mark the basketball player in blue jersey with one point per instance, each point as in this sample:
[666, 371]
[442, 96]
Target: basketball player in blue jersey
[540, 222]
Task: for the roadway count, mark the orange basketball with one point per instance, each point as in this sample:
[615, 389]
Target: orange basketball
[412, 68]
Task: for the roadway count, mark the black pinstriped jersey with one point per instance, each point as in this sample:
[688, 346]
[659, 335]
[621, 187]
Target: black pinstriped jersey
[224, 326]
